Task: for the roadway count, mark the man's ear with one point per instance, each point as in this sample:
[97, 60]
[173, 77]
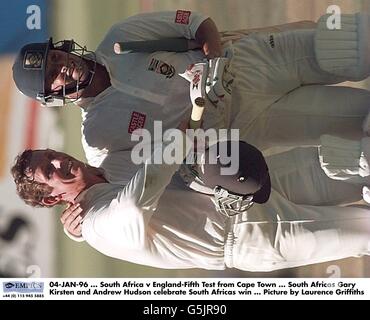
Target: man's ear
[51, 201]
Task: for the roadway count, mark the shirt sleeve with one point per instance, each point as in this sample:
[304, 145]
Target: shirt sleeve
[123, 222]
[157, 25]
[148, 184]
[94, 156]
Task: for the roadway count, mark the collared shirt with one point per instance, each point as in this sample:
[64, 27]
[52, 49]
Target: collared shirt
[145, 86]
[149, 222]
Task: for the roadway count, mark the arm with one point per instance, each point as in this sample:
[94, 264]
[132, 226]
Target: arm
[143, 189]
[199, 30]
[123, 223]
[148, 184]
[157, 25]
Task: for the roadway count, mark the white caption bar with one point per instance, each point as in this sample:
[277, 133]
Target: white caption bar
[184, 289]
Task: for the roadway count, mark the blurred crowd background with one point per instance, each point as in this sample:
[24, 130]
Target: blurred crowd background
[32, 242]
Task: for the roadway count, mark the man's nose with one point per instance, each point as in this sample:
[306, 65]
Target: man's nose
[56, 163]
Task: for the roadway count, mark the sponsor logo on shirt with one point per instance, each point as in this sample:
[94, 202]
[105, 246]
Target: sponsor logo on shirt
[182, 17]
[196, 79]
[137, 122]
[161, 67]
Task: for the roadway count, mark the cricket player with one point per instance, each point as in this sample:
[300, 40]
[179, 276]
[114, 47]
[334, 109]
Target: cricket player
[152, 220]
[279, 81]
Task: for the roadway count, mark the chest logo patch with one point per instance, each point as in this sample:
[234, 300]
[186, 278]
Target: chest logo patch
[182, 17]
[137, 122]
[161, 67]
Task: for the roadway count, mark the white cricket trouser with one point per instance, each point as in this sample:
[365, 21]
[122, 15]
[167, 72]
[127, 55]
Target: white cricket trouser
[299, 225]
[298, 176]
[280, 234]
[280, 97]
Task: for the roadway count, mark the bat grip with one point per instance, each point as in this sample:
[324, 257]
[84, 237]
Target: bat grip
[149, 46]
[197, 113]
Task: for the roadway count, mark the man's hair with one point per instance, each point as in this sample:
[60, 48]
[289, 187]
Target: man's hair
[32, 192]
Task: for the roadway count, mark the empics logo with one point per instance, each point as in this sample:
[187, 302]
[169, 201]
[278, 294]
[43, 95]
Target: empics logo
[9, 285]
[23, 287]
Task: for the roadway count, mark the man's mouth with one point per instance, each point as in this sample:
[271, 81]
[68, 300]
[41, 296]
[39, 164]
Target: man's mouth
[70, 71]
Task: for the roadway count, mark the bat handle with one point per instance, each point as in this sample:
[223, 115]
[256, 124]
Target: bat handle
[118, 48]
[197, 113]
[149, 46]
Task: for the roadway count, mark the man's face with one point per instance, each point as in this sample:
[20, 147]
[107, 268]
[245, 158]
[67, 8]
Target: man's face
[63, 173]
[64, 69]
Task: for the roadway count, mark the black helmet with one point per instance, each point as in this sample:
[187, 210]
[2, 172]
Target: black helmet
[252, 177]
[29, 69]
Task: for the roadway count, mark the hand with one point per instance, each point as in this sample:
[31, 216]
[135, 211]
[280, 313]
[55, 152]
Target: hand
[209, 38]
[212, 49]
[71, 219]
